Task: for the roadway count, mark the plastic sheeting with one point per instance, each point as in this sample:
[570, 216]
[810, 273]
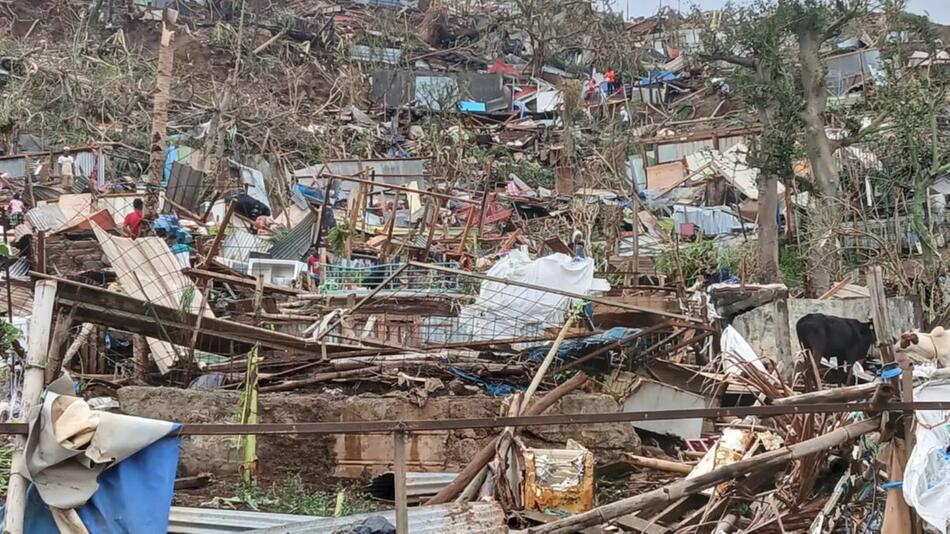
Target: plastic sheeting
[736, 349]
[134, 496]
[927, 475]
[111, 473]
[570, 349]
[504, 311]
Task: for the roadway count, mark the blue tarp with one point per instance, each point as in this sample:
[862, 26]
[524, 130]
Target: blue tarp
[570, 349]
[472, 106]
[134, 496]
[171, 156]
[495, 389]
[310, 192]
[659, 76]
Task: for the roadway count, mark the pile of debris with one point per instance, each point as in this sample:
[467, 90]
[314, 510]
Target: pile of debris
[487, 263]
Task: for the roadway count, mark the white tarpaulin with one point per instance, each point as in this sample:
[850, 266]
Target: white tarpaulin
[504, 311]
[927, 475]
[736, 349]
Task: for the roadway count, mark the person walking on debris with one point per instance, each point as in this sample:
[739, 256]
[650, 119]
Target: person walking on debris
[313, 265]
[133, 221]
[66, 163]
[15, 211]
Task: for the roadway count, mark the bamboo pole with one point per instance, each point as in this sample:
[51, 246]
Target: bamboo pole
[399, 459]
[487, 452]
[44, 300]
[662, 465]
[690, 486]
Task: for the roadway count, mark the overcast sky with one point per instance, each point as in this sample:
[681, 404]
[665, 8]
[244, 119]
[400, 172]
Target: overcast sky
[939, 10]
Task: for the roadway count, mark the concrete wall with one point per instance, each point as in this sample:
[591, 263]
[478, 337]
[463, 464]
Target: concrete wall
[758, 325]
[361, 455]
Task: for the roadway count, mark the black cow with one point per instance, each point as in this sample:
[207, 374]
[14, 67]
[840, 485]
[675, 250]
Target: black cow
[827, 336]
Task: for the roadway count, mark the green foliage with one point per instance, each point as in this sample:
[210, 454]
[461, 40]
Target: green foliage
[336, 237]
[700, 257]
[6, 463]
[292, 496]
[9, 334]
[531, 173]
[791, 265]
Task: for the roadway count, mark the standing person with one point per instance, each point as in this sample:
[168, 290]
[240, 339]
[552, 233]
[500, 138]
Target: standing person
[15, 211]
[611, 77]
[66, 163]
[313, 265]
[133, 221]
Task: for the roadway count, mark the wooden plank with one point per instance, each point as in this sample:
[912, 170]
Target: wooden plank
[399, 461]
[247, 282]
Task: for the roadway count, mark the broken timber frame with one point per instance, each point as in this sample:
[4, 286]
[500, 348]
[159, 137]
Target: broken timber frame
[100, 306]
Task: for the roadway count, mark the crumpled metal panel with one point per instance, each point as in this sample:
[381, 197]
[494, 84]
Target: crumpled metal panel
[474, 518]
[46, 218]
[559, 479]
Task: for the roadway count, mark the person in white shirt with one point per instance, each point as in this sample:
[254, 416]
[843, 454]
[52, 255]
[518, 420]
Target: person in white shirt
[66, 162]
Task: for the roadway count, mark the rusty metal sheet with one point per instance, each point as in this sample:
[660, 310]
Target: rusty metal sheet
[559, 479]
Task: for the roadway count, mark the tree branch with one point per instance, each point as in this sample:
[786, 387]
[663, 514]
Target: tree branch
[877, 125]
[847, 16]
[747, 62]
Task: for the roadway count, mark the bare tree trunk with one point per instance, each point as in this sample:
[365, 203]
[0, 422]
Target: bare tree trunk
[817, 145]
[768, 270]
[156, 160]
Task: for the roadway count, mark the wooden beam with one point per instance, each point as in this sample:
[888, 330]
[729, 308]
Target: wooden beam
[97, 305]
[219, 237]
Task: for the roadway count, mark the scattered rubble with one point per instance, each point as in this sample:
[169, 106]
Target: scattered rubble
[505, 266]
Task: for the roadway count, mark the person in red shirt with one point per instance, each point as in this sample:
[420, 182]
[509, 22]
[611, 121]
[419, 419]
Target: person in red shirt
[313, 265]
[133, 221]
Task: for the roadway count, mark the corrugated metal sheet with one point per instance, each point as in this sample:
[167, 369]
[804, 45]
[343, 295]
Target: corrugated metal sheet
[388, 171]
[418, 485]
[46, 218]
[476, 518]
[15, 167]
[468, 518]
[84, 163]
[712, 220]
[18, 269]
[184, 187]
[296, 243]
[119, 206]
[239, 243]
[149, 271]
